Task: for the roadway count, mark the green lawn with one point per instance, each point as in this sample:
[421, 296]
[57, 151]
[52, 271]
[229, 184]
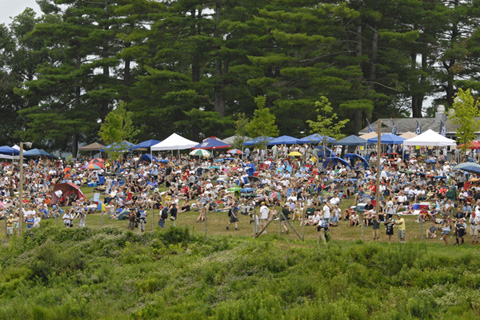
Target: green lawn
[217, 221]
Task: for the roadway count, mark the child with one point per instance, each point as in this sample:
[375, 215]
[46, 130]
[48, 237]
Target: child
[389, 228]
[460, 227]
[445, 230]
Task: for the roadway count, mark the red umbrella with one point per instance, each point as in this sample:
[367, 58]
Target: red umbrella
[92, 166]
[235, 151]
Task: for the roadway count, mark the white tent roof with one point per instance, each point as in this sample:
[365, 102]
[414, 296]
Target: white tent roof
[174, 142]
[409, 135]
[369, 135]
[430, 138]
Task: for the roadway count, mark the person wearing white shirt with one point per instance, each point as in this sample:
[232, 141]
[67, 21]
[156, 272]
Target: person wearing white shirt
[264, 215]
[475, 223]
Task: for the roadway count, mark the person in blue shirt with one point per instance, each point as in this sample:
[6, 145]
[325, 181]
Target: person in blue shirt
[30, 221]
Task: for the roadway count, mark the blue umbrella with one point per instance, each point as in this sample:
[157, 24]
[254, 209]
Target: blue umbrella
[335, 161]
[357, 156]
[351, 141]
[469, 167]
[388, 138]
[283, 140]
[316, 138]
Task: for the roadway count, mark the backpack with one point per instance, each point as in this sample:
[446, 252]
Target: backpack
[165, 213]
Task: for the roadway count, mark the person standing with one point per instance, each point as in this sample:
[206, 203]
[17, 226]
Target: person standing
[474, 226]
[233, 214]
[284, 217]
[132, 217]
[173, 213]
[10, 223]
[264, 214]
[400, 222]
[445, 229]
[163, 217]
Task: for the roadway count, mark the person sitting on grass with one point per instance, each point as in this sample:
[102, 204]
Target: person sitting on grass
[354, 219]
[432, 231]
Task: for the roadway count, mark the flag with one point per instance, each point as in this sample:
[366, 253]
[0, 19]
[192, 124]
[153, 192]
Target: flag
[369, 127]
[419, 129]
[443, 129]
[394, 128]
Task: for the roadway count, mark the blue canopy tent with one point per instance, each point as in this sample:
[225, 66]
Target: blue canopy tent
[211, 143]
[316, 138]
[123, 146]
[9, 150]
[283, 140]
[328, 152]
[388, 138]
[351, 141]
[146, 144]
[258, 140]
[36, 153]
[355, 156]
[147, 158]
[335, 161]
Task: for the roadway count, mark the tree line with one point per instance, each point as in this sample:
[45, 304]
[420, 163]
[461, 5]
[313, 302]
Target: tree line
[195, 67]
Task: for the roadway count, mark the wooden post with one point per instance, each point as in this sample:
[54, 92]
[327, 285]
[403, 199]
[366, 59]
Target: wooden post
[379, 171]
[6, 231]
[205, 224]
[279, 226]
[363, 237]
[303, 225]
[421, 228]
[20, 213]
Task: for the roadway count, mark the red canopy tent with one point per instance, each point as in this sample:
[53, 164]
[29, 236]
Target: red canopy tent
[474, 144]
[67, 189]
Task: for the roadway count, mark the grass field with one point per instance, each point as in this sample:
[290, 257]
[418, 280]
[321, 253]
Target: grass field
[217, 221]
[178, 273]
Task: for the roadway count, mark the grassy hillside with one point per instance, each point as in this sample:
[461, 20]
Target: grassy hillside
[54, 273]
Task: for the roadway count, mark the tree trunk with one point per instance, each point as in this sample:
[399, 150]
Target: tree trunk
[358, 114]
[220, 68]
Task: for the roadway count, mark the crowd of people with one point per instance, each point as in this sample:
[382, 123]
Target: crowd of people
[263, 185]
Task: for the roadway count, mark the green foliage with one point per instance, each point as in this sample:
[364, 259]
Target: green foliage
[241, 125]
[327, 123]
[263, 122]
[465, 108]
[118, 125]
[57, 273]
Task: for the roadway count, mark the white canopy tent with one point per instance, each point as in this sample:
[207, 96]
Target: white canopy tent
[430, 138]
[174, 142]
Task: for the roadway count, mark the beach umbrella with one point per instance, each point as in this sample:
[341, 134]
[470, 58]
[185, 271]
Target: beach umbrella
[294, 154]
[469, 167]
[201, 153]
[92, 166]
[97, 160]
[235, 151]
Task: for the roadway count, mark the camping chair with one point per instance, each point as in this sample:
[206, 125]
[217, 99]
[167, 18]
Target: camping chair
[101, 180]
